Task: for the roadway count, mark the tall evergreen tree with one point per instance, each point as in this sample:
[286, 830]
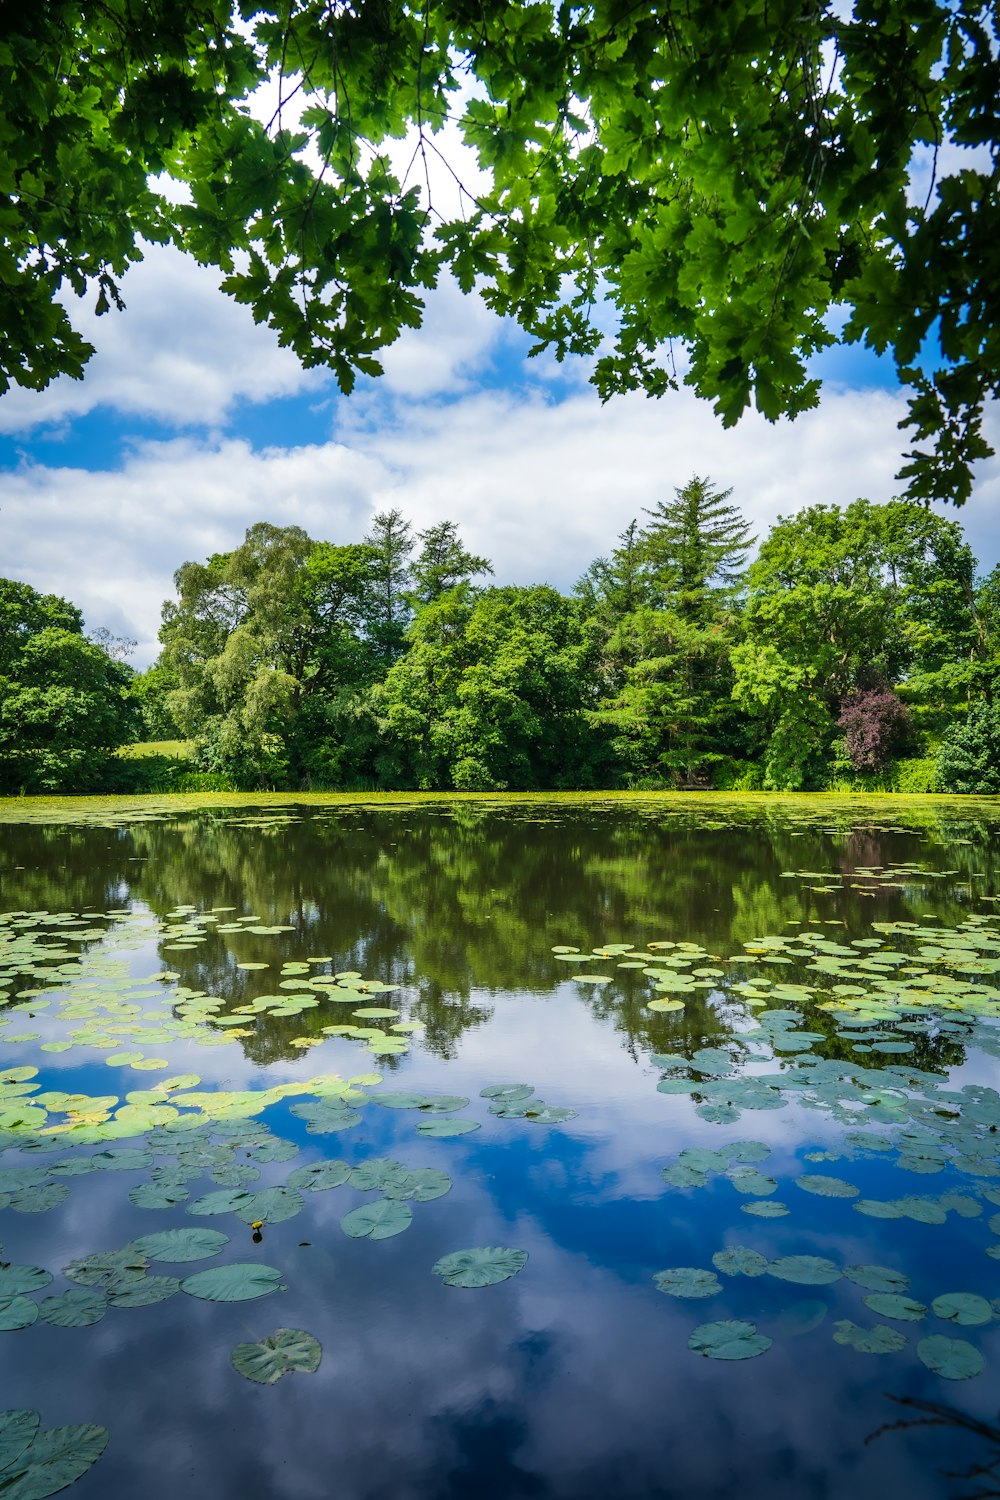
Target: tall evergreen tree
[442, 564]
[391, 542]
[695, 547]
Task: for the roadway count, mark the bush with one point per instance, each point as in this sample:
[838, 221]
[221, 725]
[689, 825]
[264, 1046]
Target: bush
[876, 725]
[969, 758]
[738, 776]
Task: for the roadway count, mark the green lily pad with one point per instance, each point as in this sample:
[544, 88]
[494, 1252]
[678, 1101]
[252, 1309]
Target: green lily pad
[422, 1186]
[509, 1092]
[39, 1198]
[826, 1187]
[894, 1305]
[144, 1293]
[108, 1268]
[730, 1339]
[280, 1353]
[768, 1209]
[17, 1312]
[953, 1359]
[17, 1428]
[443, 1129]
[319, 1175]
[964, 1308]
[377, 1221]
[687, 1281]
[483, 1266]
[877, 1278]
[54, 1459]
[78, 1307]
[739, 1260]
[805, 1270]
[17, 1279]
[179, 1245]
[225, 1201]
[240, 1281]
[158, 1195]
[878, 1340]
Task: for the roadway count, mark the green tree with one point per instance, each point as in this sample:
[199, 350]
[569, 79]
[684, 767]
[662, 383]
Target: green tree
[65, 704]
[732, 175]
[490, 695]
[695, 548]
[664, 609]
[442, 564]
[266, 644]
[969, 757]
[840, 600]
[390, 545]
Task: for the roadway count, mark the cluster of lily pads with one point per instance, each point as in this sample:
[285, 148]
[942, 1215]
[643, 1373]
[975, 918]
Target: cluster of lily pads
[36, 1461]
[731, 1339]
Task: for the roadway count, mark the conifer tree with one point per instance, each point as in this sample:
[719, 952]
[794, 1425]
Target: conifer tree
[695, 547]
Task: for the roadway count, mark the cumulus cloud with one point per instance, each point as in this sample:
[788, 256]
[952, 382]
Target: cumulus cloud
[181, 352]
[541, 487]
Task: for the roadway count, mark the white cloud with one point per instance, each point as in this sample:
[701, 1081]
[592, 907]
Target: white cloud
[181, 352]
[540, 487]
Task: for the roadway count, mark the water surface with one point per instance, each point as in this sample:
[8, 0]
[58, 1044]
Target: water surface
[824, 983]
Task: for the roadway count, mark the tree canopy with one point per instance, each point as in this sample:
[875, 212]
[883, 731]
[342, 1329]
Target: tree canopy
[734, 179]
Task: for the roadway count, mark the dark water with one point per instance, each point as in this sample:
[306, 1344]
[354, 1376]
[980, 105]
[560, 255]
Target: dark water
[572, 1380]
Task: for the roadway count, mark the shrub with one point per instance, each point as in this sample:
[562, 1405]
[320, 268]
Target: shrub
[876, 725]
[969, 757]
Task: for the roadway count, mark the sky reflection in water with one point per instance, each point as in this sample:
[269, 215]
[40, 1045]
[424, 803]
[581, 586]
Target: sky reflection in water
[573, 1379]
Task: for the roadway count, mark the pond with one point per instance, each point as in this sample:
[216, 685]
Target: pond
[423, 1149]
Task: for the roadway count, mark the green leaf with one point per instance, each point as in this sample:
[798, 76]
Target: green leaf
[78, 1307]
[54, 1459]
[485, 1265]
[280, 1353]
[178, 1245]
[17, 1312]
[729, 1339]
[964, 1308]
[739, 1260]
[17, 1429]
[318, 1176]
[878, 1340]
[687, 1281]
[16, 1279]
[239, 1281]
[804, 1270]
[953, 1359]
[377, 1221]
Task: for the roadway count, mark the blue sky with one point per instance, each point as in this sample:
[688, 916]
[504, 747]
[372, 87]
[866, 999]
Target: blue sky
[192, 424]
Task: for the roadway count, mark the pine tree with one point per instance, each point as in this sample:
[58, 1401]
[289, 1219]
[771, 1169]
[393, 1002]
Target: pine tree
[695, 548]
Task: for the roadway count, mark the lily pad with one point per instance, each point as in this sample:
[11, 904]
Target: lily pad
[826, 1187]
[144, 1293]
[953, 1359]
[805, 1270]
[17, 1279]
[687, 1281]
[17, 1312]
[443, 1129]
[878, 1340]
[320, 1175]
[281, 1352]
[894, 1305]
[54, 1459]
[240, 1281]
[730, 1339]
[179, 1245]
[17, 1428]
[739, 1260]
[482, 1266]
[377, 1221]
[877, 1278]
[964, 1308]
[78, 1307]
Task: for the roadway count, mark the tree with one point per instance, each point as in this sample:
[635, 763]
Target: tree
[443, 563]
[695, 548]
[732, 176]
[390, 545]
[841, 601]
[969, 757]
[65, 704]
[490, 695]
[266, 643]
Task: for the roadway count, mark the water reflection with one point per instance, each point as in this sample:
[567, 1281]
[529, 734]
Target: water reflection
[574, 1379]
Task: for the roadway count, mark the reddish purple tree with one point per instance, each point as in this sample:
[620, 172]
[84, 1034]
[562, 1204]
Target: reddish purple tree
[876, 725]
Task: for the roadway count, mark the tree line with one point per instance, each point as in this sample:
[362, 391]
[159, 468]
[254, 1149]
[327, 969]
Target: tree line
[859, 648]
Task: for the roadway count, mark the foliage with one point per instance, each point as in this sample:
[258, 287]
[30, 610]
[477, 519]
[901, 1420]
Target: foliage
[876, 726]
[490, 694]
[969, 757]
[64, 703]
[732, 176]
